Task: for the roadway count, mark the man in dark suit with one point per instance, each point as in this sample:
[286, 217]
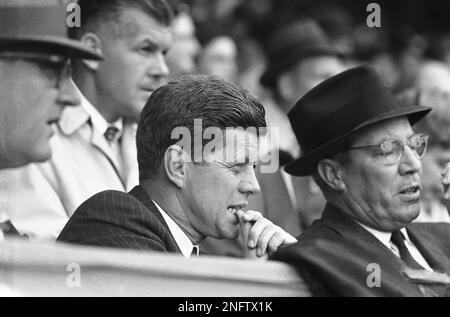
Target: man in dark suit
[197, 143]
[360, 148]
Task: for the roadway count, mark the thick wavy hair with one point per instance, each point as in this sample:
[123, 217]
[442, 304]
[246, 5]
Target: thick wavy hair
[218, 103]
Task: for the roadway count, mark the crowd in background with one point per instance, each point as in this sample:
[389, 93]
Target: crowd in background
[411, 51]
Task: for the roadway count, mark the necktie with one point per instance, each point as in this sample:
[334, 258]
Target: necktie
[110, 133]
[398, 239]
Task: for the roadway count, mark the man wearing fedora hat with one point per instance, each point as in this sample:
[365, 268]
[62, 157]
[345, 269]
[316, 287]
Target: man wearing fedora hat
[300, 56]
[359, 146]
[35, 86]
[94, 146]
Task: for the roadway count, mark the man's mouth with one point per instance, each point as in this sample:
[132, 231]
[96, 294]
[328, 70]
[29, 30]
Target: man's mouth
[234, 208]
[410, 190]
[411, 193]
[148, 89]
[52, 121]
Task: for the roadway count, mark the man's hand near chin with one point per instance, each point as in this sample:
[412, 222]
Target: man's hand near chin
[261, 236]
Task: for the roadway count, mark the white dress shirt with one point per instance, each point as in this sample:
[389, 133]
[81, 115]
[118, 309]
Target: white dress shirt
[385, 238]
[100, 125]
[182, 240]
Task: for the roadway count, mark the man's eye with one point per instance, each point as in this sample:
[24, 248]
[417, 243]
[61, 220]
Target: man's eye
[50, 70]
[238, 167]
[147, 49]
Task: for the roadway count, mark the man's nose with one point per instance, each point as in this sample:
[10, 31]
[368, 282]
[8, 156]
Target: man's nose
[410, 162]
[158, 68]
[250, 185]
[67, 93]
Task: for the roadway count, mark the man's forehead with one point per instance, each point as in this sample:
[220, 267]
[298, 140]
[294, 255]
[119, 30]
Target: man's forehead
[140, 25]
[398, 128]
[234, 146]
[240, 137]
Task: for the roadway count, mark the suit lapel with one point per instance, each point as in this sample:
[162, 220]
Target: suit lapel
[425, 243]
[139, 193]
[348, 228]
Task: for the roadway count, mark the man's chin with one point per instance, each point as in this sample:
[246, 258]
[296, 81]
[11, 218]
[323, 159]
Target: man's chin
[410, 214]
[231, 234]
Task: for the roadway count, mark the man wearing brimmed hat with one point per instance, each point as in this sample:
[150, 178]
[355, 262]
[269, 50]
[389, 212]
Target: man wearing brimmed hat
[94, 146]
[35, 73]
[300, 56]
[35, 85]
[360, 148]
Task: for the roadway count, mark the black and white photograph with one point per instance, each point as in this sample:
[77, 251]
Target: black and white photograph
[227, 156]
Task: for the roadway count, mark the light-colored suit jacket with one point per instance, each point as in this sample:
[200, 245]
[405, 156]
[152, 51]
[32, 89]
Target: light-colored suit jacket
[40, 198]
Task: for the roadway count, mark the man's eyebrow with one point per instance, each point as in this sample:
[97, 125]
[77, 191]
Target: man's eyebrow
[246, 161]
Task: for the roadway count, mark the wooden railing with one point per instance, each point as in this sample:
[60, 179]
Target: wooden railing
[34, 269]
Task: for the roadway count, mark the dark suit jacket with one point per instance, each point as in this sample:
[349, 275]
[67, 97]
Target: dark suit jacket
[120, 220]
[339, 249]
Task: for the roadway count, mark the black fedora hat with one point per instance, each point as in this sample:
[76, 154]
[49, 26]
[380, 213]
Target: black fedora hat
[38, 25]
[341, 105]
[290, 44]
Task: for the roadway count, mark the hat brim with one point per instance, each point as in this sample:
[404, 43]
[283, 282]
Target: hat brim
[304, 165]
[50, 44]
[269, 77]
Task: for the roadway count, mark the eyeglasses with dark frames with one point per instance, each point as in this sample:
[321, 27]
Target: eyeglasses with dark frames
[58, 66]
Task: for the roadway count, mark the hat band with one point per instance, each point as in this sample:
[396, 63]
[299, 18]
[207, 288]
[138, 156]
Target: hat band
[350, 116]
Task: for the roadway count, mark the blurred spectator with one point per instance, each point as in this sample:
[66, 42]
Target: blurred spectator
[434, 75]
[300, 56]
[219, 58]
[408, 49]
[181, 58]
[371, 46]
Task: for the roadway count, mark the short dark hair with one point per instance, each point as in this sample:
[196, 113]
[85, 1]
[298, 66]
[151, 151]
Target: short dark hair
[106, 14]
[218, 103]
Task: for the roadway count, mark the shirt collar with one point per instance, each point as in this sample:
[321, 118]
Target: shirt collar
[73, 118]
[384, 237]
[183, 242]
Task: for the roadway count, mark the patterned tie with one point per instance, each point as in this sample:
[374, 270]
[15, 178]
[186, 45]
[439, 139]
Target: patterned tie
[110, 134]
[398, 239]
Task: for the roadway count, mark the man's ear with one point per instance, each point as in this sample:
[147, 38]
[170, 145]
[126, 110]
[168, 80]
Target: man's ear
[175, 165]
[331, 173]
[94, 42]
